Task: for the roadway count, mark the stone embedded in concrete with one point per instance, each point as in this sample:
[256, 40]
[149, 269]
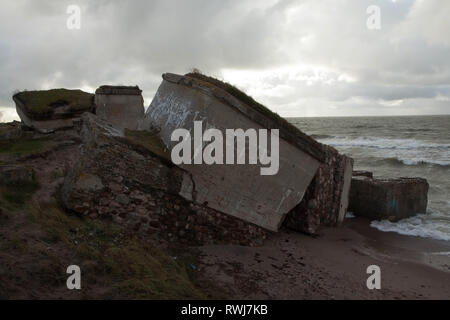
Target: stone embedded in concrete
[326, 199]
[142, 191]
[121, 106]
[392, 199]
[237, 190]
[50, 110]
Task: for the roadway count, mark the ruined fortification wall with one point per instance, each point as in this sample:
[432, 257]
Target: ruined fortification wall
[238, 190]
[326, 200]
[313, 182]
[121, 106]
[142, 191]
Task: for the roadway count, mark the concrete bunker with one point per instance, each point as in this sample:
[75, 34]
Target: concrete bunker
[121, 106]
[49, 110]
[391, 199]
[203, 203]
[313, 182]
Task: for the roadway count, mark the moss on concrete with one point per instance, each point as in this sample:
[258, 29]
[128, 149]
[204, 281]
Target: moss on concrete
[150, 141]
[43, 102]
[308, 144]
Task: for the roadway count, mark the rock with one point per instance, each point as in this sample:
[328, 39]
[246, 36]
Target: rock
[87, 182]
[50, 110]
[392, 199]
[122, 107]
[12, 130]
[123, 199]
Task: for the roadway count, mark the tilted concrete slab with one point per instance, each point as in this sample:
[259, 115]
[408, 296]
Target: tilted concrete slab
[237, 190]
[345, 194]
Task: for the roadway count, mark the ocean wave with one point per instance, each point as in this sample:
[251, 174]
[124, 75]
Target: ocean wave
[384, 143]
[419, 226]
[420, 130]
[416, 162]
[321, 136]
[364, 126]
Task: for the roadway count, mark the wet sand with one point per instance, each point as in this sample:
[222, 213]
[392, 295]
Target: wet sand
[332, 266]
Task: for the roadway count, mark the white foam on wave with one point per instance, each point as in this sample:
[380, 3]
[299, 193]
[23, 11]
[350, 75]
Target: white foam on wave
[443, 253]
[423, 226]
[349, 215]
[419, 161]
[409, 152]
[384, 143]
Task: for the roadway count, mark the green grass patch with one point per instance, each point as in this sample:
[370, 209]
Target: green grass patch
[149, 141]
[43, 102]
[130, 267]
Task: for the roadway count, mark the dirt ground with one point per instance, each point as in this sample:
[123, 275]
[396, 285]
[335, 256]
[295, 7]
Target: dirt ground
[333, 266]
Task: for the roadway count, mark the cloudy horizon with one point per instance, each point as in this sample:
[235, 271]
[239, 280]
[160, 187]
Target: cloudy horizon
[301, 58]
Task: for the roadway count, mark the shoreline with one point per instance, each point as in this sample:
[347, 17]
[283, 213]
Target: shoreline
[333, 266]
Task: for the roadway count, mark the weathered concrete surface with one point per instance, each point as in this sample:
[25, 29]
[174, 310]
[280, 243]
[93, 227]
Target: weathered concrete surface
[123, 107]
[51, 110]
[238, 190]
[392, 199]
[345, 194]
[115, 178]
[326, 199]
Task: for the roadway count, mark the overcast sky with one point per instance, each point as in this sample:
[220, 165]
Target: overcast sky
[298, 57]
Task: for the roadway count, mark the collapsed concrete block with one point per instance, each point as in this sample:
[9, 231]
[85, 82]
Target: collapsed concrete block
[240, 190]
[392, 199]
[326, 199]
[50, 110]
[121, 106]
[143, 191]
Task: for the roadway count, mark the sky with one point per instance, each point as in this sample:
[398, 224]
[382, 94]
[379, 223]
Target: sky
[301, 58]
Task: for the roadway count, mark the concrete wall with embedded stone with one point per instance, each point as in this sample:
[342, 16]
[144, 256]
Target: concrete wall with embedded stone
[238, 190]
[142, 192]
[326, 200]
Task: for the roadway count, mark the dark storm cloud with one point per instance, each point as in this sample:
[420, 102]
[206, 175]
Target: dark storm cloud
[134, 42]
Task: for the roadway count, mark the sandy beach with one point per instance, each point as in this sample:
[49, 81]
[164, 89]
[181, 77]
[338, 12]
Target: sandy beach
[332, 266]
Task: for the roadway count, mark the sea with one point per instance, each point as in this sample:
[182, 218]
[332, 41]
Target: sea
[416, 146]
